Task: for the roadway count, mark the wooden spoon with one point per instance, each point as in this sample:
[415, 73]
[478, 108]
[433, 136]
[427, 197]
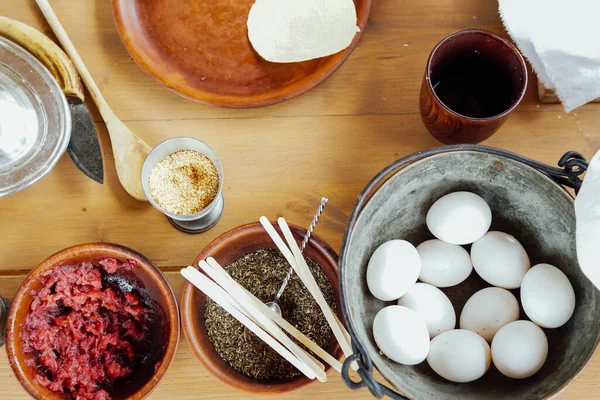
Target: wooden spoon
[129, 151]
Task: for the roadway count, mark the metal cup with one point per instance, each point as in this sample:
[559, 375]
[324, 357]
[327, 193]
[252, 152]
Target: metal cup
[202, 220]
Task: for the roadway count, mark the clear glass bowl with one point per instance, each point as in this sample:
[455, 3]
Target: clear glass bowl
[35, 120]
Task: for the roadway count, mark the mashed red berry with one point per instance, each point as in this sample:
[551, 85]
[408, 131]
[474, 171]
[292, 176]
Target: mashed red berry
[80, 334]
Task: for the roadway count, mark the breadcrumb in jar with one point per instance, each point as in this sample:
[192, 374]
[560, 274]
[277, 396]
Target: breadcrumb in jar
[184, 183]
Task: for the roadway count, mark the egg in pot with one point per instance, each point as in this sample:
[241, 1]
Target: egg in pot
[432, 305]
[393, 269]
[401, 334]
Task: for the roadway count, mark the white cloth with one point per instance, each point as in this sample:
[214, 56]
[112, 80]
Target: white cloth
[561, 40]
[587, 213]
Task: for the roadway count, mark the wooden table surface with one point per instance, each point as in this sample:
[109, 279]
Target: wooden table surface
[278, 160]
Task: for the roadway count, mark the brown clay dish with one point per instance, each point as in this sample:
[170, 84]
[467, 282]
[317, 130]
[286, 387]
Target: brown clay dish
[225, 249]
[150, 282]
[200, 50]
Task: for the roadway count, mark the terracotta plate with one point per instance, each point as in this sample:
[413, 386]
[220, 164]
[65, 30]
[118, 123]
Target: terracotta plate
[200, 50]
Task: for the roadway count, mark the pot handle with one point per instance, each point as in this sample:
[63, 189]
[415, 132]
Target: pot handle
[571, 166]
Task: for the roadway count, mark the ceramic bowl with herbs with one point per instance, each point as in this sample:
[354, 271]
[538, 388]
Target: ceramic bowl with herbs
[252, 259]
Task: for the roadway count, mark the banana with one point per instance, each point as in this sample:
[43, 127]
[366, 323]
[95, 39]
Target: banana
[53, 57]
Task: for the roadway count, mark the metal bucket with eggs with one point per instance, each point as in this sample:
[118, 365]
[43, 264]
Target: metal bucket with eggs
[528, 200]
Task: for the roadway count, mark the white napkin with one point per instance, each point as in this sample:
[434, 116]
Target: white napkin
[587, 213]
[561, 40]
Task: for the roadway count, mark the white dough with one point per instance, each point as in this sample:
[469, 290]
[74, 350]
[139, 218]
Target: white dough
[287, 31]
[459, 218]
[500, 260]
[432, 305]
[547, 296]
[459, 356]
[443, 264]
[393, 269]
[401, 335]
[519, 349]
[488, 310]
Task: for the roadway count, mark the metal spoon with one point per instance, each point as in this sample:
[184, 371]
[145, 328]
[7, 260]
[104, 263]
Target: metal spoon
[273, 304]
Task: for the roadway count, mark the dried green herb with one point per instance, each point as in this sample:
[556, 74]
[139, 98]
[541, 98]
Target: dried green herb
[262, 273]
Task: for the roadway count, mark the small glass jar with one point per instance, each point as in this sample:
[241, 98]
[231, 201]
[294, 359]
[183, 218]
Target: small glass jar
[204, 219]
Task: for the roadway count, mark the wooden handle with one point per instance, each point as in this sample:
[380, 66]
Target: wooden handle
[48, 52]
[64, 39]
[129, 150]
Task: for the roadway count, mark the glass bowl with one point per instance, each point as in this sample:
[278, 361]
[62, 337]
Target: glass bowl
[35, 120]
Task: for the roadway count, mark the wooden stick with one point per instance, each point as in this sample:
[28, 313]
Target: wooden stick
[305, 275]
[291, 259]
[224, 300]
[234, 290]
[129, 150]
[342, 327]
[291, 329]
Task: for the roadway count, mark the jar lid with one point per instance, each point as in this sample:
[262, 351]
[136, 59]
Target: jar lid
[35, 121]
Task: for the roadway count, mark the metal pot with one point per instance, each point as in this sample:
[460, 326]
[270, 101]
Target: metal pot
[529, 202]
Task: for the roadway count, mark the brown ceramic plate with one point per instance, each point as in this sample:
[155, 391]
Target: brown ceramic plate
[200, 50]
[225, 249]
[146, 278]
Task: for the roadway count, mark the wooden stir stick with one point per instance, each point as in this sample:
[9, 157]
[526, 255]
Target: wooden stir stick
[223, 299]
[291, 329]
[234, 290]
[129, 151]
[311, 285]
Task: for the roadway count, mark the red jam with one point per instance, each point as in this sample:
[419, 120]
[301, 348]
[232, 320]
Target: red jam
[80, 334]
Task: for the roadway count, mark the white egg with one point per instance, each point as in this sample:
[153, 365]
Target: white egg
[459, 218]
[488, 310]
[519, 349]
[459, 356]
[547, 296]
[443, 264]
[393, 269]
[401, 335]
[500, 260]
[432, 305]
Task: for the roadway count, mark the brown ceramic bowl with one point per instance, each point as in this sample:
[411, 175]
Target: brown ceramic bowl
[200, 50]
[146, 278]
[226, 249]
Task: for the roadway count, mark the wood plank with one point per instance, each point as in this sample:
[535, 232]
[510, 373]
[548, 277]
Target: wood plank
[382, 76]
[268, 171]
[187, 379]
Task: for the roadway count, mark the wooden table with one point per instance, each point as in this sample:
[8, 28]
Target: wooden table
[278, 160]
